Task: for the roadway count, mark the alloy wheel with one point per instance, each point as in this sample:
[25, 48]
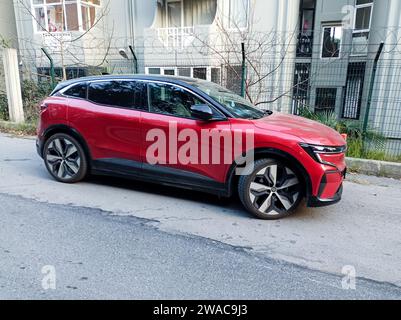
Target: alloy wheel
[275, 189]
[63, 158]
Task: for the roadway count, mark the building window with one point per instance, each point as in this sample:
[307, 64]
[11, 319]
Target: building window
[163, 71]
[174, 14]
[88, 12]
[67, 15]
[238, 14]
[325, 99]
[185, 13]
[215, 75]
[169, 72]
[305, 37]
[200, 73]
[204, 73]
[362, 22]
[184, 72]
[153, 71]
[301, 87]
[331, 41]
[363, 15]
[354, 90]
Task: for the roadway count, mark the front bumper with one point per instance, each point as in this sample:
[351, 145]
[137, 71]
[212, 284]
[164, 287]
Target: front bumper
[315, 202]
[330, 189]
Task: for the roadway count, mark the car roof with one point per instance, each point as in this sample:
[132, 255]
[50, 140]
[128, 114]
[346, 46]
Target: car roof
[189, 83]
[185, 81]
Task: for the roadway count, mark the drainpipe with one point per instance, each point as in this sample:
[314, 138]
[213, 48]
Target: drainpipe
[52, 73]
[372, 84]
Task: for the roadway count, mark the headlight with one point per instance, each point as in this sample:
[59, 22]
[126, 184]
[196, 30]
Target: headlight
[316, 151]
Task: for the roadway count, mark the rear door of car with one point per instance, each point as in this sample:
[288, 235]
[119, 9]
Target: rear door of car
[110, 120]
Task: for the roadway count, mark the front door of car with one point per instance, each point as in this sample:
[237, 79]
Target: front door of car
[173, 138]
[110, 120]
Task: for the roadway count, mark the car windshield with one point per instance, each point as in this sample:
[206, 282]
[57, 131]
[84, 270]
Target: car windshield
[236, 105]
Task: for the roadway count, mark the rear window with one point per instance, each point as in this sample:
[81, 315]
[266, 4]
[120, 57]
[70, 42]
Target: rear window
[77, 91]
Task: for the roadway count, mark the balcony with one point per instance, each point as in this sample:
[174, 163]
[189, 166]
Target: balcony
[176, 20]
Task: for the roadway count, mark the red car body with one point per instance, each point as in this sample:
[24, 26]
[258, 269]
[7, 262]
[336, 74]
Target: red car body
[114, 138]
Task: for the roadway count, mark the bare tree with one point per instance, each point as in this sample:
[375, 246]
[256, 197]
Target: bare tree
[269, 59]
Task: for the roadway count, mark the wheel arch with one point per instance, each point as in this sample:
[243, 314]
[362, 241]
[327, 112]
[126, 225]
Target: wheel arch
[271, 153]
[62, 128]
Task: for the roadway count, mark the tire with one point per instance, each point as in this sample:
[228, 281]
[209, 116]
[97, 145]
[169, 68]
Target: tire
[65, 159]
[271, 191]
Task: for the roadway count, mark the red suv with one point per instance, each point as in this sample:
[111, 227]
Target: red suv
[192, 134]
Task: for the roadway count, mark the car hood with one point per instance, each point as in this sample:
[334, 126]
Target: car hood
[307, 130]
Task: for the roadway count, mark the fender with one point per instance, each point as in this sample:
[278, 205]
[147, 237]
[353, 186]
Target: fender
[62, 128]
[276, 154]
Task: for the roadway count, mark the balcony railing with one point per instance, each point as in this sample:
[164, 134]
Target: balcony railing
[176, 38]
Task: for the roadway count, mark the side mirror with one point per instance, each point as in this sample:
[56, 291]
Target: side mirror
[202, 112]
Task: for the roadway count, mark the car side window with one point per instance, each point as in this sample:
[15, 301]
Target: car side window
[125, 94]
[77, 91]
[171, 100]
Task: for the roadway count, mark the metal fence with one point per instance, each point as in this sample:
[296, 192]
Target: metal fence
[287, 82]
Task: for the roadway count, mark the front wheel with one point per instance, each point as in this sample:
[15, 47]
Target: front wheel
[272, 191]
[65, 158]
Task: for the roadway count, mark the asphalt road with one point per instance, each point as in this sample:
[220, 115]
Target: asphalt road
[109, 238]
[96, 255]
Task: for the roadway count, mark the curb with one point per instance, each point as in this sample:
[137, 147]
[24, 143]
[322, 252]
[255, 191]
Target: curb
[375, 168]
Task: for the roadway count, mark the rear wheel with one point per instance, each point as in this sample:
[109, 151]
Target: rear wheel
[65, 158]
[272, 191]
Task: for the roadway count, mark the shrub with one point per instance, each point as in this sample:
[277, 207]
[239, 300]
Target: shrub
[355, 147]
[371, 145]
[32, 94]
[3, 107]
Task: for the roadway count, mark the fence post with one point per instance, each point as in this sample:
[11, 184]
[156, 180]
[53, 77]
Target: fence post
[243, 71]
[13, 85]
[135, 59]
[372, 84]
[52, 73]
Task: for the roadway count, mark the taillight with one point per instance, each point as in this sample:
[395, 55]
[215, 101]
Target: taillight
[43, 107]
